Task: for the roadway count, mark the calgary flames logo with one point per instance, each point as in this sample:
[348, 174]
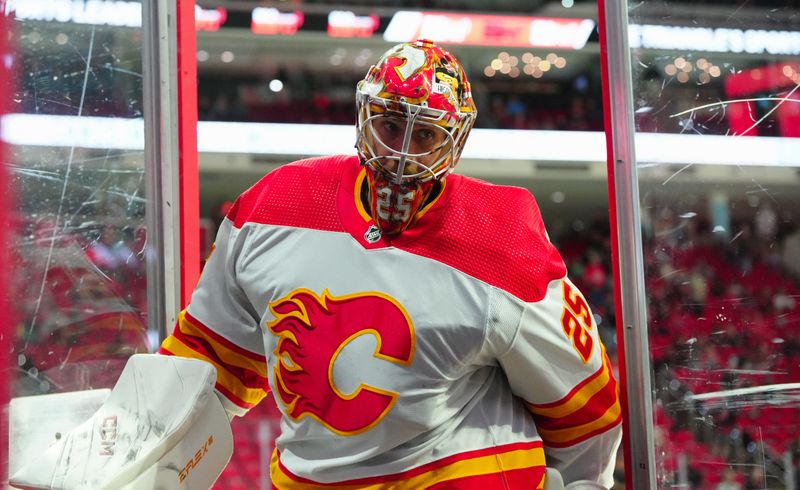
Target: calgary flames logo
[312, 331]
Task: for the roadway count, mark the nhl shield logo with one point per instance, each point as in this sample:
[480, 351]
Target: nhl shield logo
[373, 234]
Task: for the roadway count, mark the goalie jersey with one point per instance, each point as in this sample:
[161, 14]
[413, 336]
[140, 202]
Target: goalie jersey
[456, 354]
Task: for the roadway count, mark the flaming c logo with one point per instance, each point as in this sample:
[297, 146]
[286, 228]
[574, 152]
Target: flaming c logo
[312, 331]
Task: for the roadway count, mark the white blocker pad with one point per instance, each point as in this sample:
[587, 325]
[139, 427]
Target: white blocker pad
[36, 422]
[162, 427]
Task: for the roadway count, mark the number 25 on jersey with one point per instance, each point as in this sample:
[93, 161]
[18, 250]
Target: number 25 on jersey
[576, 319]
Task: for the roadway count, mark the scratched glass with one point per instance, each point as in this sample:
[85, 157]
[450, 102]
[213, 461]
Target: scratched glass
[77, 169]
[717, 110]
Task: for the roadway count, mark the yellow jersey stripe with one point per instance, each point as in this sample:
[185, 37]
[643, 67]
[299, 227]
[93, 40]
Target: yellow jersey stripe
[579, 399]
[225, 353]
[226, 379]
[572, 434]
[483, 465]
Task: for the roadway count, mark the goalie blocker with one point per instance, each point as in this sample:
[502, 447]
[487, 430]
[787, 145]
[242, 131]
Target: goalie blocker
[162, 427]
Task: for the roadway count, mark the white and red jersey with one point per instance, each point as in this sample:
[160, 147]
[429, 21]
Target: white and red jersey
[454, 355]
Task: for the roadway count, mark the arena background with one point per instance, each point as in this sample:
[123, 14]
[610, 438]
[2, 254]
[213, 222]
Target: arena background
[716, 108]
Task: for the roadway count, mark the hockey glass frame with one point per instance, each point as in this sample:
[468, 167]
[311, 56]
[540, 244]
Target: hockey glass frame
[703, 283]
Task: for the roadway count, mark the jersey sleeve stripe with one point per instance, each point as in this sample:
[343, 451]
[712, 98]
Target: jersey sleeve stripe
[235, 399]
[591, 411]
[190, 323]
[227, 393]
[201, 345]
[243, 395]
[467, 468]
[579, 396]
[574, 435]
[595, 405]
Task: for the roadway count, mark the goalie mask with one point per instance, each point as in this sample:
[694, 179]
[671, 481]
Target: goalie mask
[415, 111]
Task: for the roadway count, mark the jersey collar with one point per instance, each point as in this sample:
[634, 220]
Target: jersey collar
[356, 220]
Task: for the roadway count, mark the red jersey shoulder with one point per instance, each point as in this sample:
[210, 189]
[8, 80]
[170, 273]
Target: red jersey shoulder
[301, 194]
[496, 234]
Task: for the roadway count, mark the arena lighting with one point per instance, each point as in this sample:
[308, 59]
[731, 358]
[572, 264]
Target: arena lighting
[489, 30]
[487, 144]
[209, 20]
[275, 85]
[770, 77]
[753, 41]
[268, 20]
[67, 131]
[532, 65]
[344, 23]
[775, 84]
[100, 12]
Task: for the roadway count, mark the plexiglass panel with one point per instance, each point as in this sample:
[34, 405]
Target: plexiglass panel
[718, 115]
[78, 265]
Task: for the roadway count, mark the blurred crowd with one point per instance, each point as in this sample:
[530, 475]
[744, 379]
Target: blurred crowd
[324, 95]
[81, 302]
[723, 314]
[723, 323]
[328, 98]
